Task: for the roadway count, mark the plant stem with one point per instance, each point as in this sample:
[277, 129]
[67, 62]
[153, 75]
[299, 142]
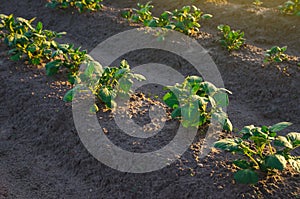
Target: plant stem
[248, 149]
[253, 160]
[271, 148]
[250, 156]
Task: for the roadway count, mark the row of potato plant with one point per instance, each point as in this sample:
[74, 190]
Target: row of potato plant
[290, 7]
[80, 5]
[194, 102]
[234, 39]
[37, 45]
[264, 149]
[185, 20]
[189, 100]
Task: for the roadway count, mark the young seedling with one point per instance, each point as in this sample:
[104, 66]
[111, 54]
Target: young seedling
[257, 3]
[291, 7]
[195, 102]
[231, 39]
[276, 54]
[263, 150]
[80, 5]
[105, 83]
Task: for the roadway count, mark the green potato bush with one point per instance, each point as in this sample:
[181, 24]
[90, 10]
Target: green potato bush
[80, 5]
[291, 7]
[195, 102]
[105, 83]
[185, 20]
[231, 39]
[263, 150]
[275, 54]
[37, 45]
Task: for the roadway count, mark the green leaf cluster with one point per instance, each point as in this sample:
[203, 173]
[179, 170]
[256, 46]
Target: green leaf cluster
[66, 56]
[27, 41]
[257, 2]
[291, 7]
[37, 45]
[231, 39]
[105, 83]
[80, 5]
[275, 54]
[264, 149]
[185, 20]
[195, 102]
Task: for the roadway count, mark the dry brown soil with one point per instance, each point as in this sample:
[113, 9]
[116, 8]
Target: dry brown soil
[41, 155]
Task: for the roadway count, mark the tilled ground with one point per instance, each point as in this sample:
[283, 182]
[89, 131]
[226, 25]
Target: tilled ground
[43, 157]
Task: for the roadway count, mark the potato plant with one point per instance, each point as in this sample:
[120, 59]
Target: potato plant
[185, 20]
[263, 149]
[143, 14]
[231, 39]
[275, 54]
[195, 102]
[37, 45]
[105, 83]
[26, 40]
[66, 56]
[291, 7]
[257, 2]
[80, 5]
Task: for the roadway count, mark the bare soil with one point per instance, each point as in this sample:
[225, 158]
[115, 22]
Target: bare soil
[42, 156]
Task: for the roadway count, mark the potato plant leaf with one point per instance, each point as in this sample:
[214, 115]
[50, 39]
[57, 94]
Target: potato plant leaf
[247, 131]
[246, 176]
[16, 57]
[53, 67]
[294, 138]
[283, 142]
[295, 163]
[69, 95]
[190, 112]
[227, 126]
[208, 87]
[106, 96]
[138, 77]
[125, 84]
[39, 27]
[176, 113]
[229, 145]
[193, 80]
[207, 16]
[275, 162]
[243, 164]
[171, 100]
[221, 99]
[279, 126]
